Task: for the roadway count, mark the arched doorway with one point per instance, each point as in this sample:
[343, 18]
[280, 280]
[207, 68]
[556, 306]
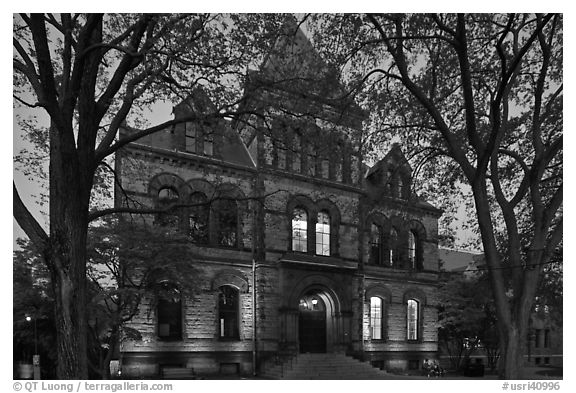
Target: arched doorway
[312, 323]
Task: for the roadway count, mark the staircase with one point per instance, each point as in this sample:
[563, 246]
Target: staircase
[324, 366]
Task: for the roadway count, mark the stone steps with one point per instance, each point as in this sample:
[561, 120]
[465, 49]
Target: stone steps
[324, 366]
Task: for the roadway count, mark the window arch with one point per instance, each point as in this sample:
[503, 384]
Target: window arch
[168, 197]
[299, 229]
[225, 214]
[228, 312]
[198, 218]
[376, 318]
[412, 319]
[416, 236]
[323, 233]
[169, 311]
[412, 242]
[414, 302]
[376, 244]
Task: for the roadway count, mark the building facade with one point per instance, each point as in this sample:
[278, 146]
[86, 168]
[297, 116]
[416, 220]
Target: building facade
[302, 246]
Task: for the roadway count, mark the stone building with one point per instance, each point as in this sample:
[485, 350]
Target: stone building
[304, 248]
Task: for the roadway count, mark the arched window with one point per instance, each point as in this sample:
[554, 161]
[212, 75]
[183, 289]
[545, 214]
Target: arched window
[413, 319]
[400, 187]
[299, 230]
[323, 233]
[394, 247]
[226, 222]
[169, 311]
[167, 197]
[376, 318]
[412, 242]
[198, 218]
[376, 245]
[228, 309]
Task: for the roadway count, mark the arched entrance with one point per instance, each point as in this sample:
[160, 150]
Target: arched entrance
[316, 321]
[312, 323]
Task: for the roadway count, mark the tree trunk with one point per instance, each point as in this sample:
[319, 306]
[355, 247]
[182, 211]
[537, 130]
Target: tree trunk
[70, 186]
[512, 350]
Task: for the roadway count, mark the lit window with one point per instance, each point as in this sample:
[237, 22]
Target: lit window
[412, 249]
[323, 234]
[299, 230]
[169, 311]
[412, 319]
[376, 318]
[228, 307]
[375, 244]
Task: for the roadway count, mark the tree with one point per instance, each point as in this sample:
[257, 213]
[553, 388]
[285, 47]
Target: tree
[90, 74]
[477, 99]
[487, 93]
[33, 317]
[126, 260]
[466, 318]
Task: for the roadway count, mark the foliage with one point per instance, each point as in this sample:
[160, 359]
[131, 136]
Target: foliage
[466, 317]
[81, 77]
[478, 99]
[127, 259]
[32, 299]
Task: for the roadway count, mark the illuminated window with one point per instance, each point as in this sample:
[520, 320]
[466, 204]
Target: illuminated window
[299, 230]
[412, 319]
[323, 234]
[412, 249]
[228, 308]
[376, 315]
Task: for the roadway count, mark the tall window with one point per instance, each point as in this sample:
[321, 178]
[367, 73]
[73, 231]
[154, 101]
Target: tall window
[412, 319]
[167, 197]
[299, 230]
[412, 255]
[323, 234]
[208, 143]
[169, 312]
[228, 308]
[376, 315]
[312, 160]
[394, 248]
[191, 137]
[400, 187]
[226, 215]
[198, 218]
[375, 244]
[296, 155]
